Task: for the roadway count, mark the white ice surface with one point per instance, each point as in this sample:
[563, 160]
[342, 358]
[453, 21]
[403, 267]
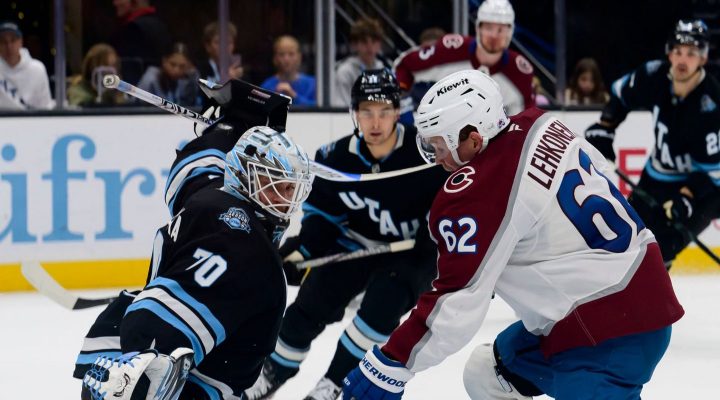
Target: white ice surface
[39, 342]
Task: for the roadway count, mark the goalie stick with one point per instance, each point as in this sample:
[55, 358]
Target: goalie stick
[114, 82]
[648, 199]
[41, 280]
[47, 285]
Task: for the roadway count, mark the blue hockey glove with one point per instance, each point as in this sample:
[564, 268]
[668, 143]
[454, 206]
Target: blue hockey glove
[376, 378]
[679, 207]
[602, 138]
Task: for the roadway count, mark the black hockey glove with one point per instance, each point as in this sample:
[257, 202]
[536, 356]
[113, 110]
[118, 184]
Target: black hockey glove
[291, 255]
[679, 207]
[602, 138]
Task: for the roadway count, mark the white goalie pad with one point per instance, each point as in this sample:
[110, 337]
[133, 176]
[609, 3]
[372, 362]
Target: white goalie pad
[154, 376]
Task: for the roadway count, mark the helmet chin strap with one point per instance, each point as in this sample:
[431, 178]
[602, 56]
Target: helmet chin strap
[483, 146]
[356, 129]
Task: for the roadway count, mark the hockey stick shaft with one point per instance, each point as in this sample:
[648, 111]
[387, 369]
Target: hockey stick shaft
[327, 173]
[393, 247]
[41, 280]
[114, 82]
[648, 199]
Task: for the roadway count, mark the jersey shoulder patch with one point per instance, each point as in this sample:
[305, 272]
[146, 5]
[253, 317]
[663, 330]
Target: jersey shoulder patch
[523, 65]
[236, 218]
[452, 41]
[653, 66]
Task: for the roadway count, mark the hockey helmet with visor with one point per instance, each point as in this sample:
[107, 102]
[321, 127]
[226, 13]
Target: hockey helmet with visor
[465, 98]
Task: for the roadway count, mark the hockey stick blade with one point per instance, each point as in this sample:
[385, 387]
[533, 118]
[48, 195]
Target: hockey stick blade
[41, 280]
[327, 173]
[648, 199]
[393, 247]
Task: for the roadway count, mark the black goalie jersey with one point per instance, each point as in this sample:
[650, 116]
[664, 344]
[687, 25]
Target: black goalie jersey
[215, 284]
[346, 216]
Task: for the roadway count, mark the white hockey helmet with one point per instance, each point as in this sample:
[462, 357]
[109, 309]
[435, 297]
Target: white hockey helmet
[468, 97]
[497, 11]
[262, 159]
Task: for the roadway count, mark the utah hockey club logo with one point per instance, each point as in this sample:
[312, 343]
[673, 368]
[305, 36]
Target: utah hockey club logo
[236, 218]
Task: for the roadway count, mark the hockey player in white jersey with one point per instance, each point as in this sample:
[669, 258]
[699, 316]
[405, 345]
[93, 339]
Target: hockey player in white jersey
[527, 214]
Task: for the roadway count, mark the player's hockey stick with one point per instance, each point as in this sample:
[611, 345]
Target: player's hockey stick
[393, 247]
[648, 199]
[47, 285]
[114, 82]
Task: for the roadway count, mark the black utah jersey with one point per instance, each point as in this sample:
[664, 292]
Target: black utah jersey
[346, 216]
[215, 283]
[687, 131]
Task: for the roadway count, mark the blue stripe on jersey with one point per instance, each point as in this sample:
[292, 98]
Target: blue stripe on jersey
[351, 346]
[195, 172]
[212, 392]
[709, 167]
[309, 209]
[90, 358]
[171, 319]
[659, 176]
[371, 333]
[349, 244]
[191, 158]
[202, 311]
[284, 361]
[618, 86]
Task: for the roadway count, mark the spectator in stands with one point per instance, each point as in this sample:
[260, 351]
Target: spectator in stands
[141, 39]
[86, 89]
[176, 80]
[23, 79]
[586, 85]
[288, 79]
[541, 95]
[209, 68]
[366, 42]
[431, 35]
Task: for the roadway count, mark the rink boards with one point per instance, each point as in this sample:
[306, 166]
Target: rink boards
[84, 194]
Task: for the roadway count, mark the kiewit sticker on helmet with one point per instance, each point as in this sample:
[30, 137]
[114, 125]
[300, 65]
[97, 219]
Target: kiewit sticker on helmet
[523, 65]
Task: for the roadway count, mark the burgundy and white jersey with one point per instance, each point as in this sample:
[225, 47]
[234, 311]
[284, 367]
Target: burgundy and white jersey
[534, 219]
[426, 65]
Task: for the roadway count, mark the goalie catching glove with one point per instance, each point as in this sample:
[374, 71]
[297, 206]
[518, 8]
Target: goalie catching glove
[376, 378]
[138, 375]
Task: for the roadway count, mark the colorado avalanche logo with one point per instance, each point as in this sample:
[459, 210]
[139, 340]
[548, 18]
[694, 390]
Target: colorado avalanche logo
[452, 41]
[236, 218]
[459, 180]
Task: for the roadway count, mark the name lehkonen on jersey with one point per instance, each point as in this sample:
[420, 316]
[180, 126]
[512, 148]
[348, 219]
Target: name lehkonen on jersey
[548, 153]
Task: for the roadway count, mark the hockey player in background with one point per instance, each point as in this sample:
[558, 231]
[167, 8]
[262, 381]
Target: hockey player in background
[528, 214]
[683, 170]
[215, 293]
[341, 217]
[488, 51]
